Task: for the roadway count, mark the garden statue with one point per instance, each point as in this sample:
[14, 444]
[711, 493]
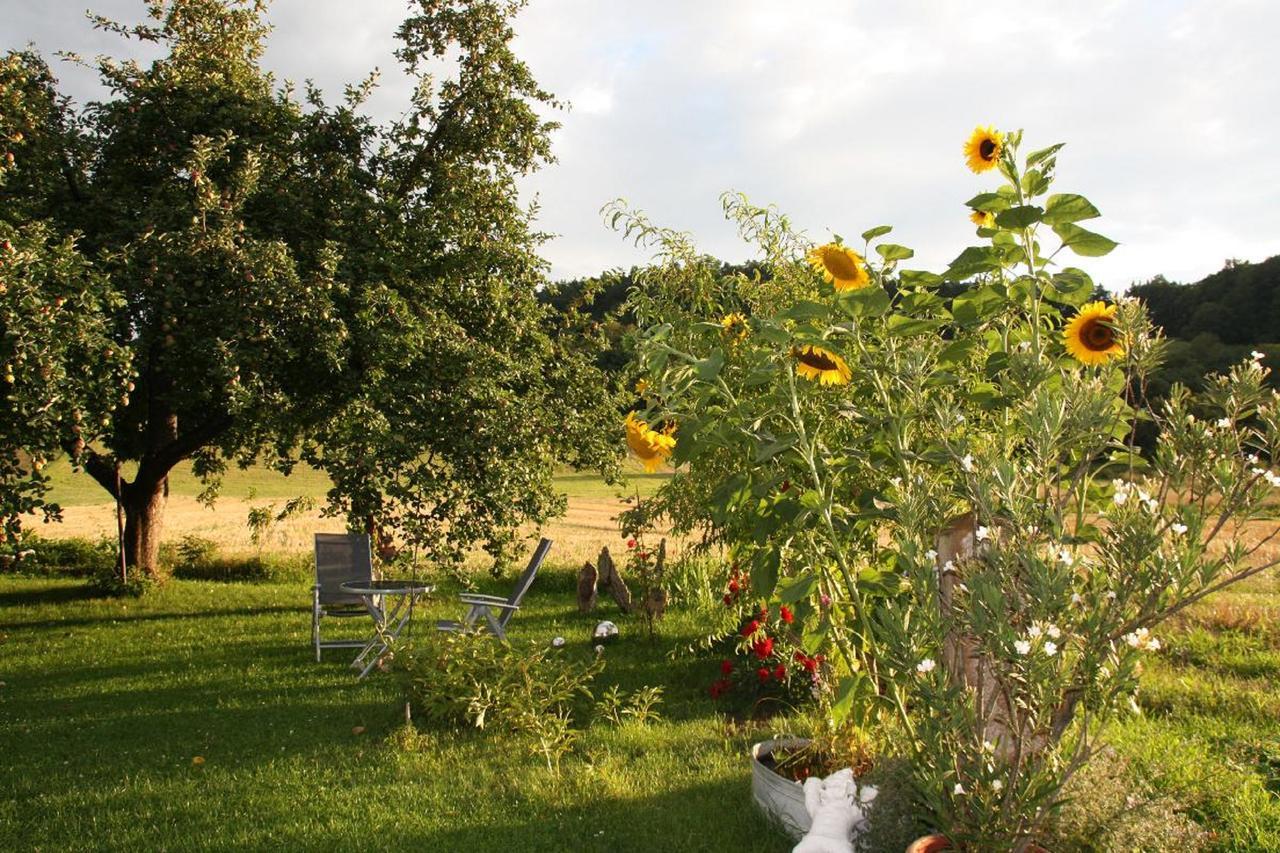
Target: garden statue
[837, 809]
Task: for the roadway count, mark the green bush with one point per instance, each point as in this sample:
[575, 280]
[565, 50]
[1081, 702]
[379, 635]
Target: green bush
[467, 679]
[77, 556]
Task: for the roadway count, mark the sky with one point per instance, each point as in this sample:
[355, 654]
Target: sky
[845, 115]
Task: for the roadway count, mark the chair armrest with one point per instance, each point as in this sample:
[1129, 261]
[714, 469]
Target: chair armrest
[495, 598]
[486, 601]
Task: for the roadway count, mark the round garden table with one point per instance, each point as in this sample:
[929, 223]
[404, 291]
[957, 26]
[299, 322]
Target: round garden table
[390, 602]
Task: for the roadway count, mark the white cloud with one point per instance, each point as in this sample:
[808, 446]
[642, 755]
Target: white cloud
[850, 114]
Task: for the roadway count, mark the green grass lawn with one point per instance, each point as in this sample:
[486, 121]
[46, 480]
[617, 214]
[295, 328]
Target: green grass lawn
[106, 702]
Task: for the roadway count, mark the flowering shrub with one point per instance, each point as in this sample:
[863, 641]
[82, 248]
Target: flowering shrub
[939, 472]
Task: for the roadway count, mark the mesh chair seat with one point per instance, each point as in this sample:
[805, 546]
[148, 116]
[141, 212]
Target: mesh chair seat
[340, 558]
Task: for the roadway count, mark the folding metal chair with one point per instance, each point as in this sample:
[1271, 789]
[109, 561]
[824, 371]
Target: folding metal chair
[340, 557]
[495, 612]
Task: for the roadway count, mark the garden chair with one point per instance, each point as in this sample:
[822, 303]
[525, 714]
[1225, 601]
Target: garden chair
[340, 558]
[494, 612]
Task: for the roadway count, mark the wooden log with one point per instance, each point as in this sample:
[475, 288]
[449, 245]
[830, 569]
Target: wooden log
[655, 600]
[587, 578]
[611, 578]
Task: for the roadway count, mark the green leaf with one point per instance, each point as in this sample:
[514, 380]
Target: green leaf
[1084, 242]
[973, 260]
[894, 252]
[864, 302]
[807, 310]
[988, 202]
[1068, 207]
[853, 699]
[902, 325]
[798, 589]
[919, 278]
[764, 571]
[1071, 286]
[878, 231]
[1019, 217]
[771, 334]
[772, 450]
[1036, 157]
[709, 367]
[957, 352]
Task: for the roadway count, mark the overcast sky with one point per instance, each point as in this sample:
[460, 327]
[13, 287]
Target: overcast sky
[847, 114]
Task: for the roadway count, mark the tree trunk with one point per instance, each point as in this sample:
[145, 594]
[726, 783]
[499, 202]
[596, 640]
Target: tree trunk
[144, 504]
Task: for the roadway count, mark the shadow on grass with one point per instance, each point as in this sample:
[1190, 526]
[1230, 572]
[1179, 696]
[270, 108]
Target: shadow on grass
[52, 595]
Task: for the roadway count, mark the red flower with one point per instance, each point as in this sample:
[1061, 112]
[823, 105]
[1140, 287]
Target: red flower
[785, 614]
[733, 586]
[728, 599]
[763, 673]
[764, 614]
[750, 628]
[780, 672]
[719, 688]
[810, 665]
[726, 666]
[762, 647]
[786, 484]
[631, 543]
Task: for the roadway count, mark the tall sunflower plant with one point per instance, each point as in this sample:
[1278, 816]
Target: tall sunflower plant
[938, 473]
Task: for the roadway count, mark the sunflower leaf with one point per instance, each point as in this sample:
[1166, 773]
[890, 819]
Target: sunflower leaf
[764, 571]
[973, 260]
[919, 278]
[1019, 217]
[709, 367]
[1043, 154]
[1071, 286]
[902, 326]
[772, 450]
[798, 589]
[1068, 207]
[894, 252]
[1084, 242]
[806, 310]
[988, 202]
[878, 231]
[866, 302]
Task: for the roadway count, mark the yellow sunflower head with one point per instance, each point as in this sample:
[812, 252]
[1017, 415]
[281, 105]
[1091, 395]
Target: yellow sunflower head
[983, 218]
[841, 266]
[821, 365]
[642, 385]
[735, 327]
[982, 151]
[650, 446]
[1091, 337]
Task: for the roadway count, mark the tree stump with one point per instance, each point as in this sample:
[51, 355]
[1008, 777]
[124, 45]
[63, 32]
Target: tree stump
[611, 579]
[587, 578]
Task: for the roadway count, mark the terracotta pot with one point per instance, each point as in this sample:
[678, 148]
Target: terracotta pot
[929, 844]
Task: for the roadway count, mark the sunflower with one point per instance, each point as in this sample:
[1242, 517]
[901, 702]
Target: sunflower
[1090, 337]
[982, 151]
[642, 386]
[821, 364]
[649, 445]
[735, 327]
[983, 218]
[841, 266]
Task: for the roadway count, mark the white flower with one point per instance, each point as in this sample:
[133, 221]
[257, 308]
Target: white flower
[1252, 458]
[1133, 639]
[1257, 356]
[896, 482]
[931, 555]
[558, 642]
[1076, 598]
[925, 666]
[1153, 645]
[1064, 557]
[1053, 632]
[1257, 472]
[1178, 528]
[599, 649]
[983, 534]
[958, 789]
[1022, 647]
[997, 785]
[948, 567]
[1050, 649]
[1272, 479]
[1111, 595]
[1224, 423]
[1119, 497]
[1035, 631]
[988, 746]
[967, 462]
